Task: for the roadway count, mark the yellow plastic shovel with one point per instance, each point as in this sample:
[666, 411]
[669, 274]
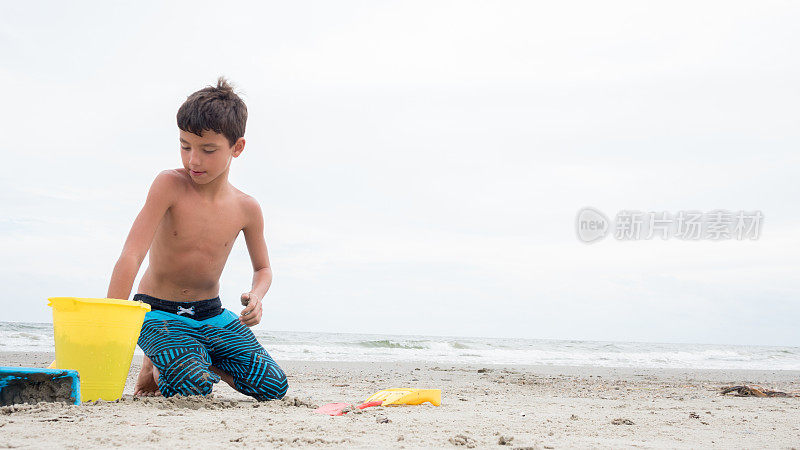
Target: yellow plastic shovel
[403, 396]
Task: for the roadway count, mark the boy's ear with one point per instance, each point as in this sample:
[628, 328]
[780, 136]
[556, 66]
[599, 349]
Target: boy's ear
[238, 147]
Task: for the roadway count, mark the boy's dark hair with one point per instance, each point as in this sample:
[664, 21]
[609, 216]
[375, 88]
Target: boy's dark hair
[218, 109]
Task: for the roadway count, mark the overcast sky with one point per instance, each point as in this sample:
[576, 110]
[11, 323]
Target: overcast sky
[421, 164]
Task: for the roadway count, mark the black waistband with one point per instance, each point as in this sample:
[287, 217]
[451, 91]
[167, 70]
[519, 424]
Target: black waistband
[198, 310]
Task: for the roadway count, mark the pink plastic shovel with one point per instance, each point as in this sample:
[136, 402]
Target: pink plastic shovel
[337, 409]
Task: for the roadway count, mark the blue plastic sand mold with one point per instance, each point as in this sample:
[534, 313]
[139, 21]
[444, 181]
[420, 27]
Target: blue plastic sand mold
[33, 385]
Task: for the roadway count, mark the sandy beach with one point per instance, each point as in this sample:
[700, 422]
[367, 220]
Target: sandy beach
[488, 406]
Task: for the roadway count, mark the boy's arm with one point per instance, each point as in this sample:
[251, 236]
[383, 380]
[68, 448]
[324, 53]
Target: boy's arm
[262, 273]
[141, 236]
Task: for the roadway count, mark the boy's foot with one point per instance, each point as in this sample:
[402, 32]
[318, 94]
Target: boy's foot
[224, 375]
[147, 383]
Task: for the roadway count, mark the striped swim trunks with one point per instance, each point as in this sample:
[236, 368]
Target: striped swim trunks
[184, 338]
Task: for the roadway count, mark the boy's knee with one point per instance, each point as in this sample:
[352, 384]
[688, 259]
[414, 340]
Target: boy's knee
[283, 390]
[270, 391]
[198, 385]
[270, 387]
[188, 377]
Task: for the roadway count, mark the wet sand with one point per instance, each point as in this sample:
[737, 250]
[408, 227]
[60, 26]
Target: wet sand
[482, 406]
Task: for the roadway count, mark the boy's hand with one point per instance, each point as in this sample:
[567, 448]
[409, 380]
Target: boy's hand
[251, 315]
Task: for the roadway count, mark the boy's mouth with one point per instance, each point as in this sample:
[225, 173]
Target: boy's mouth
[196, 173]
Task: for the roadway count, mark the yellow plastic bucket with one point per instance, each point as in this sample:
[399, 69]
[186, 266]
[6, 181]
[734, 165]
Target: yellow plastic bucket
[96, 337]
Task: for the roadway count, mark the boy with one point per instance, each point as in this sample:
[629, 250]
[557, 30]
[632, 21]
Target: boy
[189, 222]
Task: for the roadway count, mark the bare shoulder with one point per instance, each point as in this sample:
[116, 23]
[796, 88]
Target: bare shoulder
[172, 178]
[167, 183]
[249, 206]
[177, 176]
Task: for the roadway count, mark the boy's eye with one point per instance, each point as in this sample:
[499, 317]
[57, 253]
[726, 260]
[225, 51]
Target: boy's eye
[189, 148]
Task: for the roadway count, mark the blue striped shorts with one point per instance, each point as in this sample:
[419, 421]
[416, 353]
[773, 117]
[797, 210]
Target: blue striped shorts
[184, 338]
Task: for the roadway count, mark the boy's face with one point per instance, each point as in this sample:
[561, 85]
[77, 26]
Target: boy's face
[206, 157]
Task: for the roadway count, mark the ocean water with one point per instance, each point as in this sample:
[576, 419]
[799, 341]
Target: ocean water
[305, 346]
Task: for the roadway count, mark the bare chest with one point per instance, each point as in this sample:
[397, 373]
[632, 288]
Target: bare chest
[195, 225]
